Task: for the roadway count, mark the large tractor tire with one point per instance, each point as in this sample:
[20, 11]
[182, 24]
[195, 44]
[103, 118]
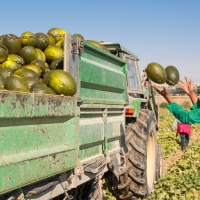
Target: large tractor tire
[137, 180]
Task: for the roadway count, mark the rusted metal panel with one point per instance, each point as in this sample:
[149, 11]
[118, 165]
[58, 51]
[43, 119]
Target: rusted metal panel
[24, 172]
[18, 105]
[38, 137]
[28, 137]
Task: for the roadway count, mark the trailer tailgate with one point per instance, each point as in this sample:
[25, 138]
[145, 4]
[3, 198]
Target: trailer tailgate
[38, 137]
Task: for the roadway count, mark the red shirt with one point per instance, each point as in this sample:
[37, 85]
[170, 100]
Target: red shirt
[183, 128]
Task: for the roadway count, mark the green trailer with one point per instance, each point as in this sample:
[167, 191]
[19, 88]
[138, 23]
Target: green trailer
[59, 147]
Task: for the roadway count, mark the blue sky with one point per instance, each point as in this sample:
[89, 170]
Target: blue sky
[163, 31]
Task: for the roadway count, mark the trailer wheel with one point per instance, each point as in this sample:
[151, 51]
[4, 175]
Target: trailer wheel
[138, 180]
[159, 162]
[90, 190]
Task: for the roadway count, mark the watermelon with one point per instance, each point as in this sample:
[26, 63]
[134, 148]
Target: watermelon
[156, 73]
[172, 75]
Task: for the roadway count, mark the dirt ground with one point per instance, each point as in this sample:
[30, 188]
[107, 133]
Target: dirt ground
[172, 158]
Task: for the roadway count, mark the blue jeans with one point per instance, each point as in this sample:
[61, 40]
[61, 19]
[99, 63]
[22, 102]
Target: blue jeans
[184, 140]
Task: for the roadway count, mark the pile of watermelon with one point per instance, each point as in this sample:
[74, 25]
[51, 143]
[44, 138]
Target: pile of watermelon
[34, 63]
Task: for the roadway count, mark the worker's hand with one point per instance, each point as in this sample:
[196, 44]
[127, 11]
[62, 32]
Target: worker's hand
[164, 92]
[187, 86]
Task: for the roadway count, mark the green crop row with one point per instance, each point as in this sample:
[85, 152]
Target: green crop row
[166, 137]
[182, 182]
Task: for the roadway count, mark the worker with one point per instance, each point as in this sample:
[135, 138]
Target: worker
[187, 117]
[184, 130]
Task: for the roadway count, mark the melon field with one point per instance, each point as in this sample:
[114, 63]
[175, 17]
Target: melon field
[181, 170]
[181, 179]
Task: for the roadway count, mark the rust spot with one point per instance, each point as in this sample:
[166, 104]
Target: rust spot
[4, 96]
[21, 99]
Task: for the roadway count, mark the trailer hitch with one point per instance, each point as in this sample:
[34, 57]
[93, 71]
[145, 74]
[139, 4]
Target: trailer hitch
[67, 196]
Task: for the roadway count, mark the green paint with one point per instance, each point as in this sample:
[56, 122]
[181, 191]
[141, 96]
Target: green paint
[18, 174]
[105, 115]
[91, 133]
[101, 79]
[90, 151]
[101, 127]
[16, 105]
[38, 138]
[136, 105]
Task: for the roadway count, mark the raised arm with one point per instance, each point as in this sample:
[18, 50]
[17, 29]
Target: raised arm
[186, 117]
[188, 87]
[164, 92]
